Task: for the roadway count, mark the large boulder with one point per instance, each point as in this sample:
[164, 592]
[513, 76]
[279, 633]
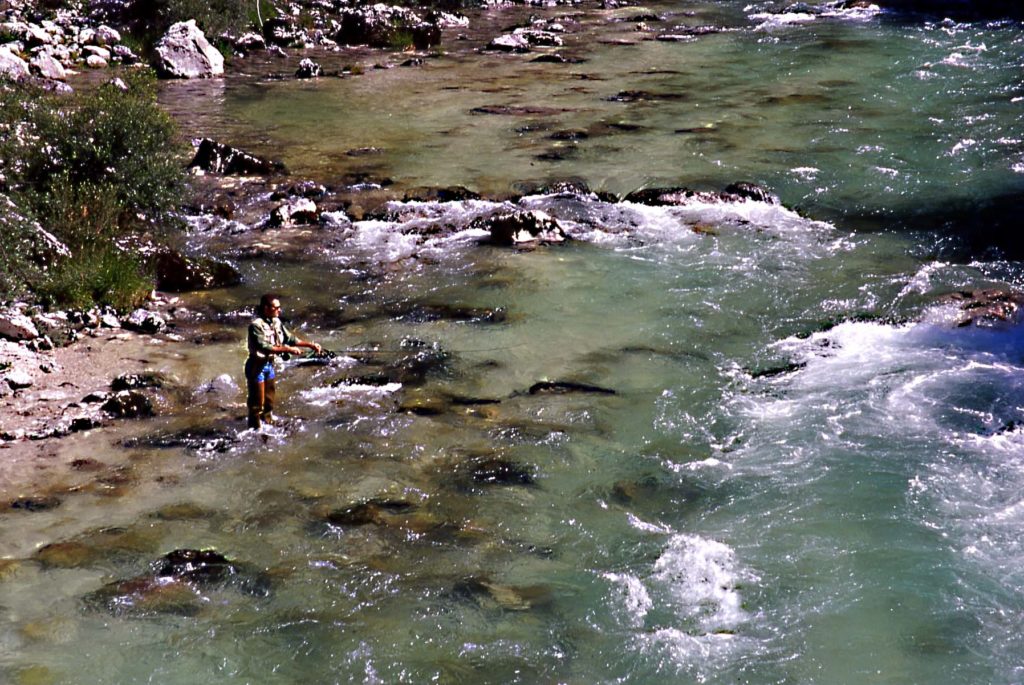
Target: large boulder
[16, 326]
[224, 159]
[12, 67]
[177, 273]
[383, 26]
[45, 65]
[519, 228]
[184, 52]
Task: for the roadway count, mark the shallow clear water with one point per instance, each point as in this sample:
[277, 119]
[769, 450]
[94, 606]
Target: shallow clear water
[852, 519]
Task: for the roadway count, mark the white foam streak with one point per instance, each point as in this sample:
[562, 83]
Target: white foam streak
[701, 577]
[363, 394]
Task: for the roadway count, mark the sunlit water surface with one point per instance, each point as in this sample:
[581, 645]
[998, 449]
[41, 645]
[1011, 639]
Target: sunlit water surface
[806, 473]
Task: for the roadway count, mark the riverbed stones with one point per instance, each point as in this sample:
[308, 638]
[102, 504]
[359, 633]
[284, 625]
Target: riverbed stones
[184, 53]
[219, 158]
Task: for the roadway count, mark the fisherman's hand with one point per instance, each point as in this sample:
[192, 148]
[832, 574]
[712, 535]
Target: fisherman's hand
[317, 348]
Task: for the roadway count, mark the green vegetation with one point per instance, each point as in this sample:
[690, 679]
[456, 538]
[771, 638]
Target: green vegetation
[92, 169]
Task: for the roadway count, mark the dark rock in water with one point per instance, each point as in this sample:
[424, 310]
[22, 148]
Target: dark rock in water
[489, 594]
[128, 404]
[777, 370]
[424, 313]
[555, 58]
[413, 369]
[682, 196]
[146, 596]
[144, 321]
[412, 62]
[384, 26]
[194, 439]
[517, 110]
[371, 511]
[643, 96]
[86, 464]
[497, 471]
[177, 273]
[196, 566]
[42, 503]
[184, 52]
[306, 189]
[147, 379]
[516, 228]
[986, 308]
[449, 194]
[751, 191]
[296, 210]
[218, 158]
[308, 69]
[571, 186]
[566, 387]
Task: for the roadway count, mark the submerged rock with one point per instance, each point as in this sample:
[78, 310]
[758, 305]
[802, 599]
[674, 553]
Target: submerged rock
[176, 584]
[495, 595]
[36, 503]
[184, 52]
[497, 471]
[373, 511]
[194, 439]
[566, 387]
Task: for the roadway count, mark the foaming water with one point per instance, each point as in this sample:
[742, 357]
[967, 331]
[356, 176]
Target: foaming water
[716, 442]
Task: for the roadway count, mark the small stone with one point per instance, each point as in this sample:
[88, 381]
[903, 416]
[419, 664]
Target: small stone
[308, 69]
[128, 404]
[34, 504]
[18, 380]
[95, 62]
[16, 326]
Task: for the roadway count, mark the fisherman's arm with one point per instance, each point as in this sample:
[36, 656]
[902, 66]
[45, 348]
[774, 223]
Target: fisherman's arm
[293, 343]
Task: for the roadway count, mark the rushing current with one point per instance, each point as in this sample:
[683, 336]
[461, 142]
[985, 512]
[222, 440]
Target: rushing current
[783, 461]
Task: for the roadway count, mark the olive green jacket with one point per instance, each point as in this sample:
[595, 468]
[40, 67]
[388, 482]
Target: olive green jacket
[264, 335]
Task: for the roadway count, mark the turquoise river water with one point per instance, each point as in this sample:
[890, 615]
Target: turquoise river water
[807, 473]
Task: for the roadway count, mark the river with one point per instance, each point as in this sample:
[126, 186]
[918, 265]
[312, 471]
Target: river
[805, 473]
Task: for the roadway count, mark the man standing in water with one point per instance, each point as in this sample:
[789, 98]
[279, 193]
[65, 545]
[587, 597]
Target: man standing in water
[268, 338]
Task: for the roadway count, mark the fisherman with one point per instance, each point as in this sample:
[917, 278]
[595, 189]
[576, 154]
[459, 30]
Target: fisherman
[268, 338]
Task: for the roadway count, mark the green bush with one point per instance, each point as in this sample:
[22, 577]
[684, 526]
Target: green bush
[17, 268]
[91, 168]
[101, 274]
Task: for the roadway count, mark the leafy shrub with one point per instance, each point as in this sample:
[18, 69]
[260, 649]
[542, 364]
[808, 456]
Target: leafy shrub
[101, 274]
[91, 168]
[17, 268]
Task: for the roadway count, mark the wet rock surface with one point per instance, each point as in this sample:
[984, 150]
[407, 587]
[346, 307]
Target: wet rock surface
[179, 273]
[219, 158]
[986, 307]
